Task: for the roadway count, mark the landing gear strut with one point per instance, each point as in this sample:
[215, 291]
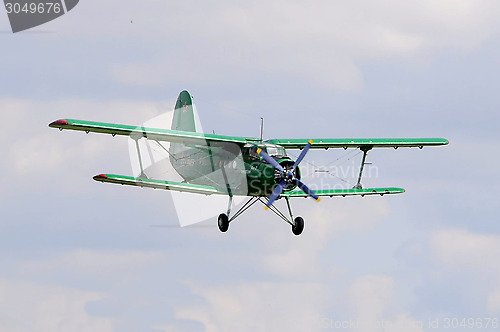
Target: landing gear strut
[224, 219]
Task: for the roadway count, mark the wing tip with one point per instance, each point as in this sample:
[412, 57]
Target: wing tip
[100, 177]
[59, 123]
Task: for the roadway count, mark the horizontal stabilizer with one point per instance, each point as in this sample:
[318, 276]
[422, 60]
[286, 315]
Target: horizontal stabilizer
[156, 184]
[346, 192]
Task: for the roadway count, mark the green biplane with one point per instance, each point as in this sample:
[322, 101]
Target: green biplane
[212, 164]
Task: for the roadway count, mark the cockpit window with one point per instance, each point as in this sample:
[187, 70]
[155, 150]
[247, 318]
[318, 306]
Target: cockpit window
[253, 153]
[272, 151]
[275, 151]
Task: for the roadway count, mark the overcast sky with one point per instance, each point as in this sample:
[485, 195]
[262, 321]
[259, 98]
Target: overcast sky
[78, 255]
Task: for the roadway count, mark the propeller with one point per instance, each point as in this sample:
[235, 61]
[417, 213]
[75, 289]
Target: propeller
[287, 175]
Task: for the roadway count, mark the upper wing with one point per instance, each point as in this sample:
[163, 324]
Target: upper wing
[325, 143]
[149, 133]
[345, 192]
[156, 184]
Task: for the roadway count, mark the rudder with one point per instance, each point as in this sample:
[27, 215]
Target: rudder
[184, 118]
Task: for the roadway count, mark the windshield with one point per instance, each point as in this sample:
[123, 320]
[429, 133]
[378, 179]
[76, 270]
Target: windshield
[275, 150]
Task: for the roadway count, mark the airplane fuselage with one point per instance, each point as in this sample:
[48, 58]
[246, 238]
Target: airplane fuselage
[231, 168]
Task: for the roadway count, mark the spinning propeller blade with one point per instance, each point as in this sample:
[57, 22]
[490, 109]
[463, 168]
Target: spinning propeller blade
[270, 160]
[302, 154]
[306, 189]
[275, 194]
[287, 176]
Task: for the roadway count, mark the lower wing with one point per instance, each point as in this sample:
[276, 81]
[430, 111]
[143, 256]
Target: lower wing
[346, 192]
[156, 184]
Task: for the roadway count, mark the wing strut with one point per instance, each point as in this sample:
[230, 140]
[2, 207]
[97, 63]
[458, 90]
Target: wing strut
[365, 150]
[136, 139]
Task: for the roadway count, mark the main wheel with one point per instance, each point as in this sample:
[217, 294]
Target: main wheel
[299, 226]
[223, 222]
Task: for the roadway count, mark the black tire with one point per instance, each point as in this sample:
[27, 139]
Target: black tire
[299, 226]
[223, 222]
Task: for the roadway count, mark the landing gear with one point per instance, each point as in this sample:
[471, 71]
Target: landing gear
[298, 227]
[226, 218]
[223, 222]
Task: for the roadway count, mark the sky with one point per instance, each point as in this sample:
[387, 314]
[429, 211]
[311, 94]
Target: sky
[78, 255]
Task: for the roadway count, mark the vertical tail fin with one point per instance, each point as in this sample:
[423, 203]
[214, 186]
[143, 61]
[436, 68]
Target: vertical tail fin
[184, 118]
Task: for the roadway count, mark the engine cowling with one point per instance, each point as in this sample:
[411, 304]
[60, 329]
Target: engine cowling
[287, 164]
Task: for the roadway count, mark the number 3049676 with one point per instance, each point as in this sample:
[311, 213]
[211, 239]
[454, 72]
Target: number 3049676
[471, 323]
[33, 8]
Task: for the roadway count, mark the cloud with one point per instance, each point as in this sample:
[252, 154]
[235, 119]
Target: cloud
[373, 301]
[493, 301]
[29, 306]
[84, 262]
[321, 44]
[307, 288]
[252, 306]
[258, 275]
[370, 296]
[324, 222]
[459, 248]
[462, 251]
[370, 304]
[118, 292]
[322, 41]
[41, 154]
